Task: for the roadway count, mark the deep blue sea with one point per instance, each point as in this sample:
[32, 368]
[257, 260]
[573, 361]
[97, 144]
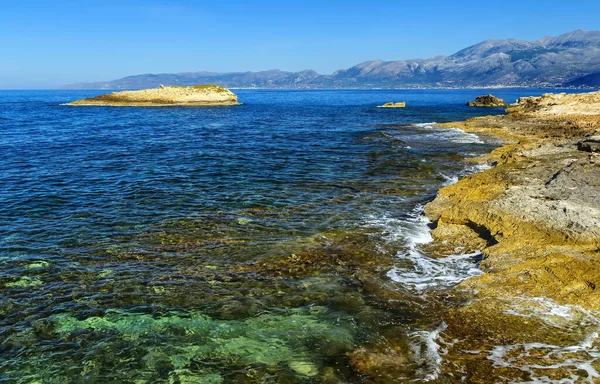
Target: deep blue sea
[267, 242]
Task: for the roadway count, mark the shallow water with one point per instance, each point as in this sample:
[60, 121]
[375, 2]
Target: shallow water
[262, 243]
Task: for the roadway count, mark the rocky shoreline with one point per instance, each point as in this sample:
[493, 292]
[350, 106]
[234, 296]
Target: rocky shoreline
[535, 216]
[198, 95]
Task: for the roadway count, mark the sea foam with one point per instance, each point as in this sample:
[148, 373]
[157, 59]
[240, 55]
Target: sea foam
[454, 135]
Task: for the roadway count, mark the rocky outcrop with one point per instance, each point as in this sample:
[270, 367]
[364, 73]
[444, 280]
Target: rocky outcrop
[198, 95]
[487, 101]
[400, 104]
[535, 217]
[557, 106]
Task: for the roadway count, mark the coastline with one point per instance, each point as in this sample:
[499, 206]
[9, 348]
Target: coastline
[534, 217]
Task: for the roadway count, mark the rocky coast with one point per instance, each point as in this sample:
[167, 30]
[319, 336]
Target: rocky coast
[198, 95]
[535, 217]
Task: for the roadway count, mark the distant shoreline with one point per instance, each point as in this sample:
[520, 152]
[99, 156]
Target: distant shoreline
[329, 89]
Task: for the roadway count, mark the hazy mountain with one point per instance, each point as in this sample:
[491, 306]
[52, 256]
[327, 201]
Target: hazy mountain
[572, 59]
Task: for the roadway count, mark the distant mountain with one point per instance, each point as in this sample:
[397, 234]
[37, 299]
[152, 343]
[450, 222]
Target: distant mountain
[572, 59]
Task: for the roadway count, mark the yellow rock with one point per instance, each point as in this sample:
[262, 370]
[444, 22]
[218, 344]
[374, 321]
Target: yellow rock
[400, 104]
[198, 95]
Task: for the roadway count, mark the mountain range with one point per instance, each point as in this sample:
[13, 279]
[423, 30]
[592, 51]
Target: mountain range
[568, 60]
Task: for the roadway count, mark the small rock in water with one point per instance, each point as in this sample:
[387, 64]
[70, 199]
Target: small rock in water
[400, 104]
[487, 101]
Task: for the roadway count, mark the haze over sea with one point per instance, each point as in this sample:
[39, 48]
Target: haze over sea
[228, 244]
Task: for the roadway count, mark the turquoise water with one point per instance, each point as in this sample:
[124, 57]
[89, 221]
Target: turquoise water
[228, 244]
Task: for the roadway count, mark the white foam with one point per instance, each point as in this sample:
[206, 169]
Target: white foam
[454, 135]
[424, 272]
[449, 180]
[427, 272]
[481, 167]
[411, 231]
[552, 313]
[535, 358]
[425, 125]
[427, 352]
[545, 357]
[465, 137]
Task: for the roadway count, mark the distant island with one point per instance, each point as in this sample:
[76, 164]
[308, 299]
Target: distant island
[197, 95]
[569, 60]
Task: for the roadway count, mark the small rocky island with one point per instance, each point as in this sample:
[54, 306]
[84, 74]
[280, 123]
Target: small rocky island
[197, 95]
[487, 101]
[400, 104]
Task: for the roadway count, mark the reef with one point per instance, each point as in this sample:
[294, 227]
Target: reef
[535, 217]
[198, 95]
[487, 101]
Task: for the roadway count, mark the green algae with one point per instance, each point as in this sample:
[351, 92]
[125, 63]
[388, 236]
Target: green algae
[243, 221]
[105, 272]
[26, 282]
[283, 339]
[38, 265]
[185, 376]
[304, 368]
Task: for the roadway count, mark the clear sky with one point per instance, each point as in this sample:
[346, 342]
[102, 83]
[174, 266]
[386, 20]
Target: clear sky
[50, 43]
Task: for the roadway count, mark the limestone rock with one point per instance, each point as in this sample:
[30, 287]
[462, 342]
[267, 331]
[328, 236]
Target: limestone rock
[487, 101]
[537, 209]
[400, 104]
[550, 105]
[198, 95]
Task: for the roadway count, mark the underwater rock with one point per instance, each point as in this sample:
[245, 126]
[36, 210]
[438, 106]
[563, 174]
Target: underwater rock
[304, 368]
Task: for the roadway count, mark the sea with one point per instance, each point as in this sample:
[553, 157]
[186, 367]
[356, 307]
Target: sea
[271, 242]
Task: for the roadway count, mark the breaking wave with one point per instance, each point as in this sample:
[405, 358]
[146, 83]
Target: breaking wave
[427, 352]
[454, 135]
[420, 271]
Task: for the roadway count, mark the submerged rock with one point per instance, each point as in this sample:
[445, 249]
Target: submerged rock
[400, 104]
[487, 101]
[197, 95]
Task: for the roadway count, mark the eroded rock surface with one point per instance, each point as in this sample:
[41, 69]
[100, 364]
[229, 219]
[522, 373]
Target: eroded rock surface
[199, 95]
[536, 218]
[487, 101]
[400, 104]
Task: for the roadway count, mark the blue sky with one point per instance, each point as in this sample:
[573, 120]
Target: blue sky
[51, 43]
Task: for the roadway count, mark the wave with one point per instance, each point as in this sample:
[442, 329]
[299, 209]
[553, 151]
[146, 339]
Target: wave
[410, 231]
[427, 272]
[454, 135]
[424, 272]
[537, 358]
[427, 352]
